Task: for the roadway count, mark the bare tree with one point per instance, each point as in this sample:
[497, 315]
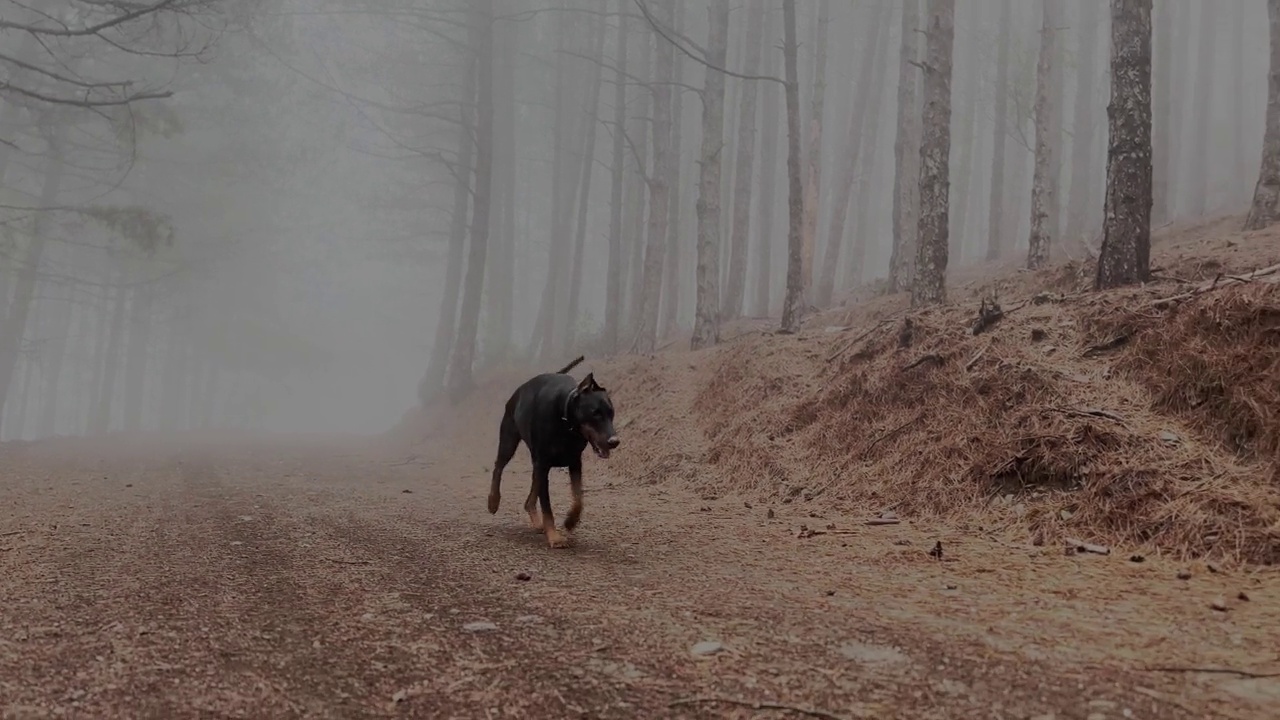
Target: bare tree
[1126, 234]
[793, 301]
[930, 284]
[906, 152]
[743, 167]
[997, 243]
[671, 285]
[813, 165]
[863, 100]
[432, 383]
[1266, 196]
[480, 35]
[659, 192]
[614, 282]
[769, 134]
[706, 324]
[1044, 183]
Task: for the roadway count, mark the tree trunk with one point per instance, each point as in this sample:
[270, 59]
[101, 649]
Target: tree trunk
[500, 298]
[1126, 234]
[906, 153]
[706, 323]
[770, 131]
[997, 241]
[744, 166]
[1044, 182]
[14, 328]
[813, 169]
[1266, 196]
[659, 196]
[592, 119]
[1162, 118]
[480, 35]
[862, 101]
[793, 301]
[613, 287]
[1198, 186]
[930, 285]
[671, 285]
[1081, 199]
[965, 114]
[432, 384]
[135, 366]
[868, 139]
[63, 314]
[640, 190]
[100, 422]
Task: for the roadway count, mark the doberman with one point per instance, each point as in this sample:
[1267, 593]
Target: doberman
[556, 418]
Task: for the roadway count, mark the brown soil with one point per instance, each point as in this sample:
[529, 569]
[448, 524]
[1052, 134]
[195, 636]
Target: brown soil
[228, 576]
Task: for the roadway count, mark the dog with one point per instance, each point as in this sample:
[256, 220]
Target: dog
[556, 418]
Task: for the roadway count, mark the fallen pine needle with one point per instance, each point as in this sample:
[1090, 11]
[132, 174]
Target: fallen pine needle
[1214, 671]
[755, 705]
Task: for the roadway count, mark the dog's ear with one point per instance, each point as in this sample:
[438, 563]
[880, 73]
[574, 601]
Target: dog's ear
[589, 384]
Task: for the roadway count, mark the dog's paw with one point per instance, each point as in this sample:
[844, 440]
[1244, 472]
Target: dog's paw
[494, 499]
[535, 520]
[556, 539]
[571, 520]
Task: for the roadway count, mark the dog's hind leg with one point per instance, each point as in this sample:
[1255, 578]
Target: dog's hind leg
[555, 539]
[508, 442]
[575, 487]
[531, 502]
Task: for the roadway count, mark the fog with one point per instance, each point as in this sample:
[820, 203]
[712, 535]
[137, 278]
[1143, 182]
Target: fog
[240, 214]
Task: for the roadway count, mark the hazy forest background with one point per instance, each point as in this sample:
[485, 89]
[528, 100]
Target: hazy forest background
[314, 214]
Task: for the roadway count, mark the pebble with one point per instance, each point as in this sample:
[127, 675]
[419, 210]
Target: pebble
[528, 619]
[706, 648]
[523, 576]
[479, 626]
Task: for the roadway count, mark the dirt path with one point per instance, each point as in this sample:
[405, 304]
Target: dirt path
[234, 579]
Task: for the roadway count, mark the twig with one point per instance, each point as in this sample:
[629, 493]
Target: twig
[889, 434]
[974, 361]
[1215, 284]
[755, 705]
[1090, 412]
[1111, 344]
[924, 359]
[11, 533]
[1215, 671]
[1082, 546]
[347, 562]
[844, 348]
[874, 522]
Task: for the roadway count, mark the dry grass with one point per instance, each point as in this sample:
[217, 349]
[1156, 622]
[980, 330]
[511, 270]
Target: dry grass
[1167, 444]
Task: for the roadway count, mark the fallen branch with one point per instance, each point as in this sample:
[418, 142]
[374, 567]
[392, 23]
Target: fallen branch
[974, 360]
[1214, 671]
[989, 313]
[844, 348]
[883, 521]
[755, 705]
[1083, 547]
[11, 533]
[1111, 344]
[931, 357]
[1089, 412]
[1215, 284]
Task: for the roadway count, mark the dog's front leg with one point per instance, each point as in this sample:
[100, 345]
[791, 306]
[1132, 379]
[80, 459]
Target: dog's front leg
[542, 477]
[575, 488]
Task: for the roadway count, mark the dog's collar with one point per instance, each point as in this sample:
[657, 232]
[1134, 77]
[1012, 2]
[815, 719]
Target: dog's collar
[564, 411]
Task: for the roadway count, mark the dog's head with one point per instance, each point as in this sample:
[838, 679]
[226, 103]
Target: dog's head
[591, 413]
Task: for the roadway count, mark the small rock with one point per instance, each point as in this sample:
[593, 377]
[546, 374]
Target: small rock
[830, 593]
[1065, 514]
[1220, 605]
[704, 508]
[367, 617]
[1184, 574]
[901, 542]
[1171, 438]
[746, 505]
[951, 586]
[1242, 596]
[407, 491]
[528, 619]
[706, 648]
[479, 626]
[237, 542]
[1037, 335]
[400, 696]
[1213, 568]
[769, 514]
[128, 484]
[523, 576]
[245, 518]
[1137, 558]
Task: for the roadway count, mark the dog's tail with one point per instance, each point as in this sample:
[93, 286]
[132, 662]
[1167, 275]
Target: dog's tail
[565, 370]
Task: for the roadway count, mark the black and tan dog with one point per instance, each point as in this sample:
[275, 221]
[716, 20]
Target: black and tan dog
[557, 418]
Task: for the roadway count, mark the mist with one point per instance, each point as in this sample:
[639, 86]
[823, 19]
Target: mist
[268, 215]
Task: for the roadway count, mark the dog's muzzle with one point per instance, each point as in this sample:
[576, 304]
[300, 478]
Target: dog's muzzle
[603, 449]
